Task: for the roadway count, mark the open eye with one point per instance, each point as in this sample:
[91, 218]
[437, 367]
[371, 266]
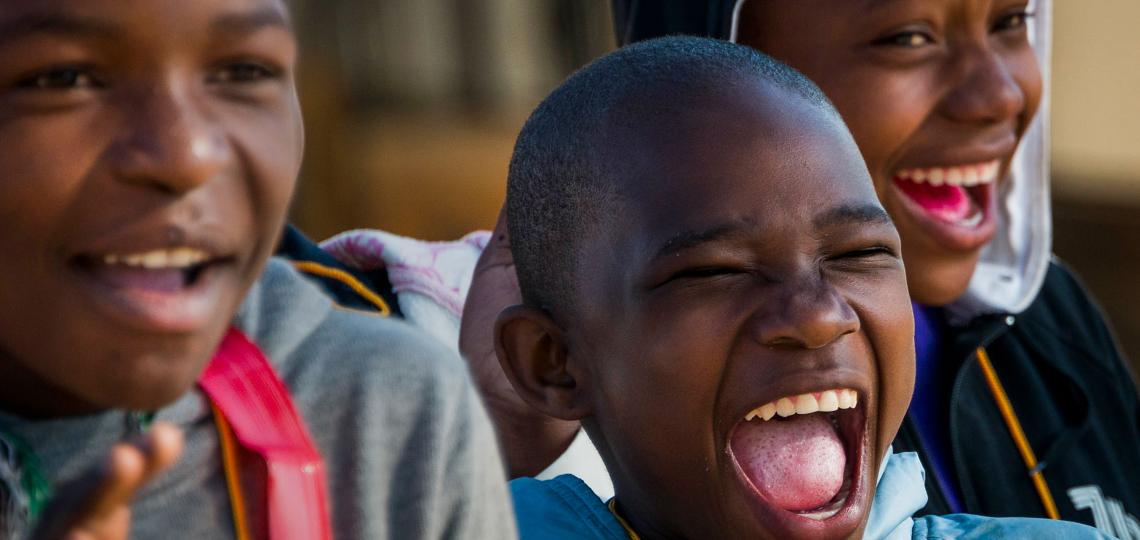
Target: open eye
[61, 78]
[243, 72]
[1015, 21]
[910, 39]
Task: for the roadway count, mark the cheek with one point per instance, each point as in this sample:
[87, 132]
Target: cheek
[887, 319]
[1025, 70]
[43, 164]
[883, 112]
[269, 144]
[670, 377]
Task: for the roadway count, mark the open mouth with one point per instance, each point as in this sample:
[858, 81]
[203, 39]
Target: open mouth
[162, 289]
[157, 271]
[954, 195]
[801, 454]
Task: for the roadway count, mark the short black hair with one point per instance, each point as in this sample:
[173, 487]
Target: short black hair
[562, 181]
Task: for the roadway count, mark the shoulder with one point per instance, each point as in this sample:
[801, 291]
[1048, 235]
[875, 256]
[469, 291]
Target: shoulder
[1066, 311]
[561, 508]
[968, 526]
[321, 350]
[1062, 286]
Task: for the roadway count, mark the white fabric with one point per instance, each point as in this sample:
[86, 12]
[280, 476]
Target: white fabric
[430, 279]
[1014, 264]
[582, 459]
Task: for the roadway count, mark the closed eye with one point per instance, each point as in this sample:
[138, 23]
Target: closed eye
[869, 252]
[702, 273]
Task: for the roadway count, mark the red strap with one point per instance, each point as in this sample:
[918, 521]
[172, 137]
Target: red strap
[242, 384]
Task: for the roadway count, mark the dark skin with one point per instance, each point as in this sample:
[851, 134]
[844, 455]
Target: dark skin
[130, 127]
[919, 83]
[127, 127]
[529, 439]
[760, 264]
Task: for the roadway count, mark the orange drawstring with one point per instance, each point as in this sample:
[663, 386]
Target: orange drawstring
[233, 477]
[318, 269]
[1014, 426]
[612, 505]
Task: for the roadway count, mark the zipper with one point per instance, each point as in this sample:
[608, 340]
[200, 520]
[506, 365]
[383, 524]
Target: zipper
[968, 499]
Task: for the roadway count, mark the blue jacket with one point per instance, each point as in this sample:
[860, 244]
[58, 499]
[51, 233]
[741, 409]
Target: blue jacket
[564, 508]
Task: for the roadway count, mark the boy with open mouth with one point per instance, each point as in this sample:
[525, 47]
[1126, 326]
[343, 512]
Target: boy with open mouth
[744, 364]
[1023, 403]
[148, 153]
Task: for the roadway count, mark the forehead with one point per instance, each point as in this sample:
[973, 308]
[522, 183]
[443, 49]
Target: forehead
[760, 155]
[136, 19]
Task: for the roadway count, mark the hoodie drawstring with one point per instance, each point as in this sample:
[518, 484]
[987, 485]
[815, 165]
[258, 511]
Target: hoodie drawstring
[1015, 431]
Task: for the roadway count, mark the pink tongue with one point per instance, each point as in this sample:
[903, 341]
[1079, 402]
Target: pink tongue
[797, 463]
[127, 277]
[945, 203]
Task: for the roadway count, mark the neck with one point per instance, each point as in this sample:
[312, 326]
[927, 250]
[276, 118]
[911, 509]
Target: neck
[26, 394]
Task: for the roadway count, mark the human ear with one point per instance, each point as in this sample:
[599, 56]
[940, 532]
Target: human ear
[532, 352]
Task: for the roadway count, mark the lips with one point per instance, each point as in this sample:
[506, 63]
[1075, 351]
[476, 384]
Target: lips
[165, 290]
[802, 459]
[953, 203]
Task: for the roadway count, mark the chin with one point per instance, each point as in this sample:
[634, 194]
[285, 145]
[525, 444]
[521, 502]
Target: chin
[939, 281]
[151, 383]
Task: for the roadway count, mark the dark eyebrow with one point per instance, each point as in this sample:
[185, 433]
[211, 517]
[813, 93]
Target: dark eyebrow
[689, 239]
[877, 4]
[852, 214]
[249, 22]
[54, 24]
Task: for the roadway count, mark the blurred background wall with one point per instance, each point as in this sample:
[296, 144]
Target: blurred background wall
[1096, 155]
[412, 107]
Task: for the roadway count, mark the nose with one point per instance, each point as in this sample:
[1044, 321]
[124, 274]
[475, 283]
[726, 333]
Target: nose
[985, 90]
[809, 314]
[168, 141]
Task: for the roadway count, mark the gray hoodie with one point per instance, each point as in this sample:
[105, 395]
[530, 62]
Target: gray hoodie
[407, 445]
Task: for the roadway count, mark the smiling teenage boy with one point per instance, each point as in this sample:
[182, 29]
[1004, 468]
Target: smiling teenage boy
[744, 365]
[149, 150]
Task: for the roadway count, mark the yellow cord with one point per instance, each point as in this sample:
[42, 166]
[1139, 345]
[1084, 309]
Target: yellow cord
[612, 505]
[1018, 434]
[318, 269]
[233, 477]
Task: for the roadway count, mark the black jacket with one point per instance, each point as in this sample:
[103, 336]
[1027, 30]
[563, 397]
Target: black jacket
[1076, 402]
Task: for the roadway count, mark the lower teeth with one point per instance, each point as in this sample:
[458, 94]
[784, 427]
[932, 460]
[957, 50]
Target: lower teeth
[971, 221]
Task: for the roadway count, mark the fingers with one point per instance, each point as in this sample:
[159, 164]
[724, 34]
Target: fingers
[133, 464]
[96, 506]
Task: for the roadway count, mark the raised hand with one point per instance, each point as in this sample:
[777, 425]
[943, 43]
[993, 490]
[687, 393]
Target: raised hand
[97, 505]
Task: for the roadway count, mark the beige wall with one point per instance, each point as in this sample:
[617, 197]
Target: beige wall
[1096, 99]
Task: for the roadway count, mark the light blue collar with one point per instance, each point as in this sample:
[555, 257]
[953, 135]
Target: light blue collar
[901, 492]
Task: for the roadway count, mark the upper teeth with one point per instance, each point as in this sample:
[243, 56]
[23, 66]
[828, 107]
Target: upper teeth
[182, 257]
[963, 175]
[826, 401]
